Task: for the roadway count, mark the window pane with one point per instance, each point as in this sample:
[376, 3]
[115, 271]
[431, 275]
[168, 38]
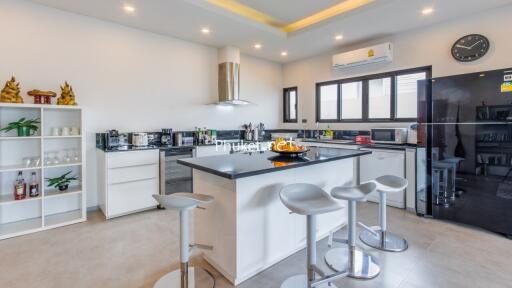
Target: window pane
[352, 100]
[293, 104]
[329, 102]
[379, 98]
[407, 94]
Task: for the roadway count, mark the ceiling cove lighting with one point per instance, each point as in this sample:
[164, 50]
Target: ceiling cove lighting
[205, 30]
[427, 11]
[129, 8]
[260, 17]
[258, 46]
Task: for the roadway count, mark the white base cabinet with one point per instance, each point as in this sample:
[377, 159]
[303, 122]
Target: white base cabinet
[127, 181]
[380, 163]
[248, 226]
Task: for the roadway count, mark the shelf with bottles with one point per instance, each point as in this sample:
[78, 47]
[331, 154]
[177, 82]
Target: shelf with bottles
[30, 186]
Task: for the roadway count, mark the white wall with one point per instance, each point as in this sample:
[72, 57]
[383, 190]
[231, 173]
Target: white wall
[423, 47]
[125, 78]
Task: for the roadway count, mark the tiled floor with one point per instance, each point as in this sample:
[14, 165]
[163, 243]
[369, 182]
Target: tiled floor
[134, 251]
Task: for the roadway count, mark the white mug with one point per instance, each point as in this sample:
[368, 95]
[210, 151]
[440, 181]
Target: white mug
[75, 131]
[55, 131]
[65, 131]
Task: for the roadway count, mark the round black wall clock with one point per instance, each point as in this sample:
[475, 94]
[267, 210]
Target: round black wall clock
[470, 48]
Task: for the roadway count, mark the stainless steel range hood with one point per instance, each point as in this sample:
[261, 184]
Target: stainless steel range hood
[229, 77]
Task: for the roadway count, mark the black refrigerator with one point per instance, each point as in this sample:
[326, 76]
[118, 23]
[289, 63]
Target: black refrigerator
[464, 164]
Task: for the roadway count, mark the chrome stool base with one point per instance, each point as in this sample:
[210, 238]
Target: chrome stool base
[365, 266]
[301, 281]
[391, 243]
[197, 278]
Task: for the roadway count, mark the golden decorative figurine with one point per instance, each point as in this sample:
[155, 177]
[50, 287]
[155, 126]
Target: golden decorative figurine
[11, 92]
[67, 97]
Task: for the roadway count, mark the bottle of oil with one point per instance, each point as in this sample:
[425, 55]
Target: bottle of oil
[20, 187]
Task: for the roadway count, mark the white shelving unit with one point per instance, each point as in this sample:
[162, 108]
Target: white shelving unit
[52, 208]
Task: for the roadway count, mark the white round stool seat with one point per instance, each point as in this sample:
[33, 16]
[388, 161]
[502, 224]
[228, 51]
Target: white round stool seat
[356, 193]
[182, 200]
[390, 184]
[307, 199]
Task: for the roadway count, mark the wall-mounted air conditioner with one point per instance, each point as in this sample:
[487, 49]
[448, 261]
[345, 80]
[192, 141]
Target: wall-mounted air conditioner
[381, 53]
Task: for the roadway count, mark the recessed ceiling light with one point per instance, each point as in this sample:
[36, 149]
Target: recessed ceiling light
[427, 11]
[338, 37]
[205, 30]
[284, 53]
[258, 46]
[129, 8]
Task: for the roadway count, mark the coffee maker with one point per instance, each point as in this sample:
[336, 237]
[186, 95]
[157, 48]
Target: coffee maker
[166, 138]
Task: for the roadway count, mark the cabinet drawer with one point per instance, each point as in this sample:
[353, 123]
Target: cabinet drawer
[133, 173]
[128, 197]
[132, 158]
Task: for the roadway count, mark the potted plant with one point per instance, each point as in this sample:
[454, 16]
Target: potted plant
[61, 182]
[25, 127]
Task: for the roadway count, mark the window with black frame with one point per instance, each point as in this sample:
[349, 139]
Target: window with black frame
[390, 96]
[290, 105]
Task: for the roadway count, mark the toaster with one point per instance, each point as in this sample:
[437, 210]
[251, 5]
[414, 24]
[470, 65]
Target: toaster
[140, 139]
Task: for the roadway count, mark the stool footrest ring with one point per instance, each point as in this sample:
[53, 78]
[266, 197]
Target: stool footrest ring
[373, 230]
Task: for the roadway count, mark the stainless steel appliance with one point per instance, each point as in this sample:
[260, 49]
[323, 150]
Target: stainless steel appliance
[175, 177]
[166, 138]
[389, 135]
[465, 149]
[140, 139]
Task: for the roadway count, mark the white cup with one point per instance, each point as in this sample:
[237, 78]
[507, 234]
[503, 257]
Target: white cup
[65, 131]
[75, 131]
[55, 131]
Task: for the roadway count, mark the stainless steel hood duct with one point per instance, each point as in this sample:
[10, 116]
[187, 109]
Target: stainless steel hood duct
[229, 77]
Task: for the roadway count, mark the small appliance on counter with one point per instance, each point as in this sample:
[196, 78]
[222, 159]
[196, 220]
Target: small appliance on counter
[166, 137]
[389, 135]
[140, 139]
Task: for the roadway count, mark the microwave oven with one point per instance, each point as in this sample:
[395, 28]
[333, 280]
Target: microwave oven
[389, 135]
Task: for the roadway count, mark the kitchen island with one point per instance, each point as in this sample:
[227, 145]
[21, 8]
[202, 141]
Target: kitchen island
[247, 225]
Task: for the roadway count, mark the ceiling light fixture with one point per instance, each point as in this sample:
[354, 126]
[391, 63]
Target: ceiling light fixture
[129, 8]
[338, 37]
[427, 11]
[258, 46]
[205, 30]
[284, 53]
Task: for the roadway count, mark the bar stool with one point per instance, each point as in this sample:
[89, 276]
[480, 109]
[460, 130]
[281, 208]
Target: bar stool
[441, 181]
[378, 237]
[358, 263]
[185, 278]
[309, 200]
[454, 162]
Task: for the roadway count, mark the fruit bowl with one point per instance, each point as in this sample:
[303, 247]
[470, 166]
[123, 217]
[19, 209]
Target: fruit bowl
[291, 153]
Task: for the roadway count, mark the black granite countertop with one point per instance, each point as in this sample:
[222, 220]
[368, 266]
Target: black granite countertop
[242, 165]
[372, 145]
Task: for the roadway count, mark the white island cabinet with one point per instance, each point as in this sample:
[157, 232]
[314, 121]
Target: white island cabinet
[247, 225]
[127, 181]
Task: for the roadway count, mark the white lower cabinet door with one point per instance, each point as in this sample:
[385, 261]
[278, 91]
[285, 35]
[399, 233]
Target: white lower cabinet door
[381, 163]
[132, 196]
